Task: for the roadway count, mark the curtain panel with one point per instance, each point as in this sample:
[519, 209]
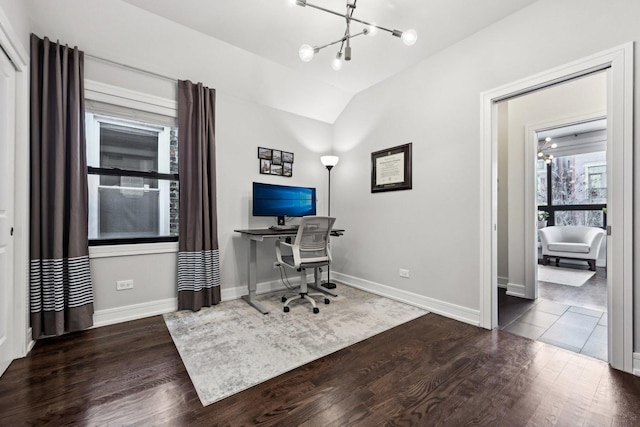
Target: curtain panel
[61, 294]
[198, 256]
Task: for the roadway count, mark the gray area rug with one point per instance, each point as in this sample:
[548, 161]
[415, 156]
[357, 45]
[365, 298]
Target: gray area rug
[231, 347]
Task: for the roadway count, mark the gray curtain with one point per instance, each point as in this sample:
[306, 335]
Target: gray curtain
[198, 257]
[61, 295]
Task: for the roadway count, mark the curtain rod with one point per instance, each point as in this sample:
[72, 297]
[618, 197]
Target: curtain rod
[130, 67]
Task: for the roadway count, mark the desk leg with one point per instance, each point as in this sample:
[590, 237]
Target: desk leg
[316, 273]
[252, 279]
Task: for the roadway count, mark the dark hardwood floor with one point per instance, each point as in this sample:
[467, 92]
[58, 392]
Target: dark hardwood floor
[431, 371]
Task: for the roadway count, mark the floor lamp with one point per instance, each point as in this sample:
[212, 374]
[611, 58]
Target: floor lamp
[329, 162]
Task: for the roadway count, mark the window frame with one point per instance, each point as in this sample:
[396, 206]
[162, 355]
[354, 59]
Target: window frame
[121, 97]
[552, 208]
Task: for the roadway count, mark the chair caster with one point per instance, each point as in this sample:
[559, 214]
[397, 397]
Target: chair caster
[284, 299]
[316, 310]
[286, 309]
[327, 301]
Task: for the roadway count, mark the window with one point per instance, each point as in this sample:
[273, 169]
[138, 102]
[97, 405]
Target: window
[576, 185]
[133, 180]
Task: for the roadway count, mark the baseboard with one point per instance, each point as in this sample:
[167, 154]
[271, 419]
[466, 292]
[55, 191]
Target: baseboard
[636, 364]
[112, 316]
[236, 292]
[515, 290]
[503, 282]
[29, 340]
[126, 313]
[443, 308]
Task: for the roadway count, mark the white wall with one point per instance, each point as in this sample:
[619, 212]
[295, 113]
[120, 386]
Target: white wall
[17, 12]
[119, 31]
[245, 119]
[567, 102]
[503, 189]
[433, 230]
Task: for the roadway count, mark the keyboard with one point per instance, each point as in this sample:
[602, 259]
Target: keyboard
[284, 227]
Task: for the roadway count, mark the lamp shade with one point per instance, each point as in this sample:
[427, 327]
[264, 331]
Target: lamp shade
[329, 160]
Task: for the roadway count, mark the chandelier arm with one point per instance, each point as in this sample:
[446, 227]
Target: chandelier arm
[351, 18]
[343, 39]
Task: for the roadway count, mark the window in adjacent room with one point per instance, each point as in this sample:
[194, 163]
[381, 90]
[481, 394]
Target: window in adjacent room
[572, 187]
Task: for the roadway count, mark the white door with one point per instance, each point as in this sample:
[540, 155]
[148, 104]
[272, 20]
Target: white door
[7, 142]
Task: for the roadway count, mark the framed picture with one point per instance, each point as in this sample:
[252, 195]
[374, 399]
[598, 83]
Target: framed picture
[276, 157]
[276, 169]
[391, 169]
[265, 166]
[287, 169]
[287, 157]
[264, 153]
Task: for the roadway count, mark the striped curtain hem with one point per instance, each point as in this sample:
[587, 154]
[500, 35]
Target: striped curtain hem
[198, 279]
[58, 288]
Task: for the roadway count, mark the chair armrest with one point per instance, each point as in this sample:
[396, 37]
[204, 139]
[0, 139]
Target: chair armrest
[544, 237]
[294, 249]
[594, 239]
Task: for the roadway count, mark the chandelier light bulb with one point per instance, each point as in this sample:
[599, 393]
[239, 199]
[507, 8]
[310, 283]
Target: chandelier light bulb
[373, 30]
[409, 37]
[554, 145]
[337, 62]
[540, 154]
[547, 139]
[306, 53]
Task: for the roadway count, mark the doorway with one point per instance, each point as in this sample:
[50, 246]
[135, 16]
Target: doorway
[552, 172]
[618, 63]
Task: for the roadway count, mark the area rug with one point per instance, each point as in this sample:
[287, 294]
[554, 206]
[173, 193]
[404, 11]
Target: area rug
[231, 347]
[563, 276]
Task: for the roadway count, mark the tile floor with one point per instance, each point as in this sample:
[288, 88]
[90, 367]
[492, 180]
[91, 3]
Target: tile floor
[567, 324]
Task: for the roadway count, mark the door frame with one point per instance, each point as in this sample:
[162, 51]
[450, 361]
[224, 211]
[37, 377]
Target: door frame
[19, 56]
[619, 62]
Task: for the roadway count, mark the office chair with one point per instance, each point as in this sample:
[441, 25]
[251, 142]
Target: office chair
[309, 250]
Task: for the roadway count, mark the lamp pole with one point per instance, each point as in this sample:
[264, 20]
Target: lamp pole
[329, 162]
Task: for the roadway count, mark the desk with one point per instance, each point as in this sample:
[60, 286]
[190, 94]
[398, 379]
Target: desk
[258, 235]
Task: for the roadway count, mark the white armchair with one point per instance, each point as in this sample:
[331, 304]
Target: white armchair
[573, 242]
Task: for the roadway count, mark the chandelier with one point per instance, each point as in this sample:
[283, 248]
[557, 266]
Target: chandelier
[544, 148]
[307, 52]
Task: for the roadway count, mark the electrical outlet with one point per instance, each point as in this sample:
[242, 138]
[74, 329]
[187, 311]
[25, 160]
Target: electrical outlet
[404, 273]
[122, 285]
[276, 264]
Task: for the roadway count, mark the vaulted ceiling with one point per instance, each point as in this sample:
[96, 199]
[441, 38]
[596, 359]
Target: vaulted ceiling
[275, 29]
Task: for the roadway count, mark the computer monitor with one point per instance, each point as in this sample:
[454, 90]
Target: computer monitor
[283, 200]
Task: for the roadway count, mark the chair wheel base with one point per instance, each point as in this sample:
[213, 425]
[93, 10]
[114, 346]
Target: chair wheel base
[327, 301]
[286, 309]
[316, 310]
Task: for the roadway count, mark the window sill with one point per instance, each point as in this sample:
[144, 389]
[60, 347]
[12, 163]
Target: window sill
[133, 249]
